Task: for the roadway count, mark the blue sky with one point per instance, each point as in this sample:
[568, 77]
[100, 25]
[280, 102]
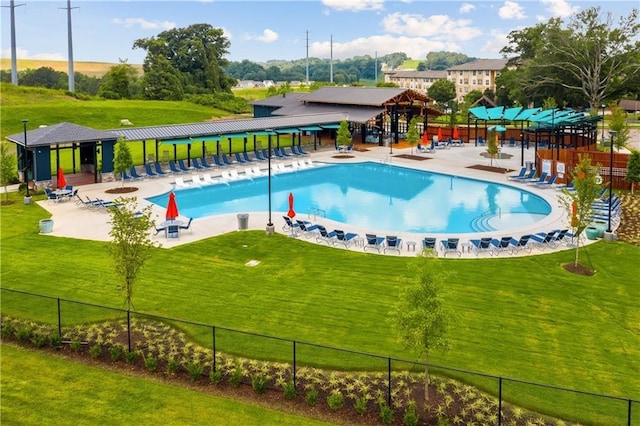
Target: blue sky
[104, 31]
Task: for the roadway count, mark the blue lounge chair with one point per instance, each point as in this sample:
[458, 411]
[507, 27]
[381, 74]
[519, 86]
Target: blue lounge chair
[527, 177]
[284, 153]
[187, 226]
[159, 170]
[561, 236]
[277, 154]
[392, 242]
[245, 155]
[259, 156]
[289, 225]
[150, 172]
[239, 159]
[183, 166]
[501, 245]
[373, 241]
[450, 245]
[544, 239]
[205, 164]
[298, 150]
[482, 245]
[307, 228]
[196, 164]
[343, 238]
[218, 162]
[173, 231]
[520, 244]
[547, 183]
[226, 160]
[134, 173]
[327, 237]
[174, 168]
[429, 243]
[520, 175]
[540, 179]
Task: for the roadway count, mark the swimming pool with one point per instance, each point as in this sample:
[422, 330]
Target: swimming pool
[375, 196]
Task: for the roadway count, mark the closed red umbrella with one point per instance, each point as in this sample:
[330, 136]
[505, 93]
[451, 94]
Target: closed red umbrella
[61, 181]
[425, 138]
[172, 207]
[455, 133]
[439, 134]
[291, 213]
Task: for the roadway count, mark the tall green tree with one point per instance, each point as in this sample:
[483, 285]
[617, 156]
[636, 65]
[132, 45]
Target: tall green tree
[8, 167]
[579, 203]
[197, 52]
[343, 136]
[413, 134]
[161, 82]
[118, 82]
[131, 243]
[122, 160]
[420, 317]
[618, 123]
[442, 91]
[492, 146]
[589, 58]
[633, 169]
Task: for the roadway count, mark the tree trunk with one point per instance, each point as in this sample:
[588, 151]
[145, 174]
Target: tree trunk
[426, 379]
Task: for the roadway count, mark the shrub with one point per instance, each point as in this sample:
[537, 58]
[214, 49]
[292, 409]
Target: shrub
[195, 370]
[215, 376]
[335, 400]
[23, 333]
[115, 352]
[236, 376]
[95, 351]
[259, 382]
[386, 413]
[311, 397]
[39, 340]
[411, 416]
[7, 329]
[172, 366]
[151, 363]
[360, 405]
[75, 345]
[130, 357]
[55, 341]
[289, 390]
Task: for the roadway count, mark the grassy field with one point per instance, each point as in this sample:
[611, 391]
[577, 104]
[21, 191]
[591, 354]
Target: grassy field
[525, 318]
[92, 69]
[38, 389]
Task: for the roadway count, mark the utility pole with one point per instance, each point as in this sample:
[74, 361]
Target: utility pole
[331, 59]
[307, 57]
[14, 60]
[72, 83]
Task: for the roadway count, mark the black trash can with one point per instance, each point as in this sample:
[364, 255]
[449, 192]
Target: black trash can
[243, 221]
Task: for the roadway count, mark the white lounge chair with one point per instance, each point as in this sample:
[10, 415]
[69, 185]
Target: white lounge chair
[207, 178]
[248, 172]
[258, 172]
[310, 162]
[282, 168]
[234, 175]
[181, 183]
[294, 165]
[224, 176]
[196, 180]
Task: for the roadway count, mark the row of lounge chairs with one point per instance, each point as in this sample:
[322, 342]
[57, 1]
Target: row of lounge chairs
[95, 203]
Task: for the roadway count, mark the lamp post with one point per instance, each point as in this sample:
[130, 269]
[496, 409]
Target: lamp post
[270, 228]
[602, 138]
[612, 133]
[25, 164]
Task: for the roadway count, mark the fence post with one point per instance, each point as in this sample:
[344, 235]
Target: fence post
[389, 387]
[129, 330]
[59, 320]
[499, 401]
[213, 339]
[294, 364]
[629, 414]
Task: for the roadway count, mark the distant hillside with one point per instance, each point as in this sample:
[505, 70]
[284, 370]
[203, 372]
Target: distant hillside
[93, 69]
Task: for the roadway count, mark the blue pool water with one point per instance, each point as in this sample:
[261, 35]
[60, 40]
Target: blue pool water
[375, 196]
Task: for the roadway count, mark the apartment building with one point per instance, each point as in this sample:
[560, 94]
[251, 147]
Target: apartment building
[411, 79]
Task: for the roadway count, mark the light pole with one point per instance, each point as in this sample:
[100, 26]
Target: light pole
[270, 228]
[612, 133]
[602, 138]
[25, 156]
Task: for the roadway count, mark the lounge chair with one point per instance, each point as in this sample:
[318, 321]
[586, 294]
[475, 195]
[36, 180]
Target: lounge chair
[160, 229]
[561, 236]
[159, 170]
[203, 162]
[392, 242]
[450, 245]
[501, 245]
[299, 150]
[195, 179]
[527, 177]
[225, 176]
[181, 183]
[372, 241]
[174, 168]
[281, 167]
[429, 243]
[307, 228]
[544, 239]
[149, 171]
[481, 245]
[547, 183]
[218, 162]
[541, 179]
[327, 237]
[187, 226]
[206, 178]
[239, 159]
[134, 173]
[289, 225]
[83, 203]
[183, 166]
[257, 171]
[196, 164]
[520, 175]
[226, 160]
[245, 155]
[342, 238]
[520, 244]
[310, 162]
[259, 156]
[236, 176]
[173, 231]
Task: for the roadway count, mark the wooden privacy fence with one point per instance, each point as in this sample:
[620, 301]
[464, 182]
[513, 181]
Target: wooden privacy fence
[569, 158]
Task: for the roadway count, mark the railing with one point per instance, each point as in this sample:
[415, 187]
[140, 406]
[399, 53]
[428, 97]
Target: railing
[575, 405]
[316, 212]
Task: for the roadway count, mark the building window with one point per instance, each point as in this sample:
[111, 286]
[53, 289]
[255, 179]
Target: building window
[473, 81]
[486, 73]
[473, 73]
[460, 81]
[487, 83]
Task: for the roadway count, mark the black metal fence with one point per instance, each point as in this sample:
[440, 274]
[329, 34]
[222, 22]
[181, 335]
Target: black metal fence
[511, 395]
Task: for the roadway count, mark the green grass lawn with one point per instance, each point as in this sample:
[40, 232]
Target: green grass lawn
[38, 389]
[517, 317]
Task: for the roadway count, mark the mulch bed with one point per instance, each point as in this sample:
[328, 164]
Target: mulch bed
[342, 156]
[413, 157]
[501, 170]
[122, 190]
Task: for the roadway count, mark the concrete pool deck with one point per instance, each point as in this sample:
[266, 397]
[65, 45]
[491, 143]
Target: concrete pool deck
[74, 221]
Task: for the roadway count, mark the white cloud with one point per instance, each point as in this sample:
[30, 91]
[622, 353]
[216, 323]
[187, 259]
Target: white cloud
[494, 44]
[268, 36]
[466, 8]
[436, 26]
[511, 10]
[24, 54]
[144, 24]
[559, 8]
[354, 5]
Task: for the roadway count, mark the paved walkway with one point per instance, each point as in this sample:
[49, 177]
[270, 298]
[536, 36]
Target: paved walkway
[72, 220]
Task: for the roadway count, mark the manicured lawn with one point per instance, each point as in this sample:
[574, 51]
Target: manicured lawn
[38, 389]
[517, 317]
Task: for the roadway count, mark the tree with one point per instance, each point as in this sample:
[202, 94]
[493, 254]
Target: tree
[633, 169]
[122, 160]
[8, 168]
[161, 81]
[579, 203]
[492, 146]
[196, 52]
[618, 123]
[420, 318]
[591, 57]
[413, 135]
[442, 90]
[131, 243]
[344, 135]
[118, 82]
